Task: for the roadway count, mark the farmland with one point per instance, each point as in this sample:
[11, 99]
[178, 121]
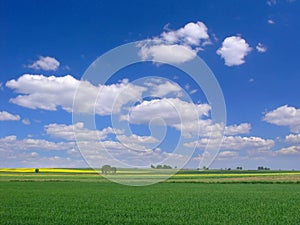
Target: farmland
[53, 197]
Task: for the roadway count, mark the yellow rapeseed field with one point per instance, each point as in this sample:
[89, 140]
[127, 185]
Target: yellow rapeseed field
[46, 170]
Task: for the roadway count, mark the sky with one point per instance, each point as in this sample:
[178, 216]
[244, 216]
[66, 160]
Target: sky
[58, 107]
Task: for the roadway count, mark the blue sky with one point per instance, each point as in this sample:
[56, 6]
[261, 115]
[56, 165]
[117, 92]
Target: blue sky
[250, 46]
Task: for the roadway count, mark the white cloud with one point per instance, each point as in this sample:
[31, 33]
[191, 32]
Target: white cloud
[190, 34]
[48, 93]
[68, 132]
[261, 48]
[243, 128]
[285, 116]
[136, 139]
[38, 91]
[176, 46]
[233, 50]
[12, 143]
[271, 21]
[189, 118]
[193, 91]
[238, 143]
[26, 121]
[91, 140]
[168, 53]
[4, 116]
[228, 154]
[162, 89]
[45, 63]
[175, 110]
[293, 138]
[137, 143]
[291, 150]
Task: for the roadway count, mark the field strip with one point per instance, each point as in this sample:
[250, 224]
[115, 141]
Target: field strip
[46, 170]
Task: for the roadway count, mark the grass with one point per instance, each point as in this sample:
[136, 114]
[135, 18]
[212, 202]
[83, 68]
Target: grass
[164, 203]
[81, 196]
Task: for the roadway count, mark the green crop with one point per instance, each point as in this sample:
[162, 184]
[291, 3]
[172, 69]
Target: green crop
[74, 202]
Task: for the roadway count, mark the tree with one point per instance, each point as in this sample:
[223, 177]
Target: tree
[37, 170]
[113, 170]
[152, 166]
[161, 166]
[106, 169]
[263, 168]
[166, 167]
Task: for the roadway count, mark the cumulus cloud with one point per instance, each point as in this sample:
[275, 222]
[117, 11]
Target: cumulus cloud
[233, 50]
[167, 53]
[243, 128]
[138, 143]
[271, 21]
[176, 46]
[23, 153]
[284, 116]
[4, 116]
[187, 117]
[237, 143]
[261, 48]
[12, 143]
[45, 63]
[174, 110]
[49, 93]
[79, 132]
[293, 138]
[291, 150]
[228, 154]
[190, 34]
[95, 137]
[38, 91]
[160, 88]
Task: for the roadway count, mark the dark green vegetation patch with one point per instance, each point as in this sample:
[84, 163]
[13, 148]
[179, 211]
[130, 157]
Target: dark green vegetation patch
[164, 203]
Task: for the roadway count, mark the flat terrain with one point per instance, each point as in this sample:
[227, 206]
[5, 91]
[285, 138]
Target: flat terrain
[183, 176]
[186, 198]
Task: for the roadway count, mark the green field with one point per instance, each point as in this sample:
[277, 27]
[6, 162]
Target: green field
[53, 198]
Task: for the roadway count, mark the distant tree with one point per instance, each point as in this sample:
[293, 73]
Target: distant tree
[37, 170]
[263, 168]
[229, 169]
[113, 170]
[166, 167]
[152, 166]
[106, 169]
[159, 167]
[239, 168]
[162, 166]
